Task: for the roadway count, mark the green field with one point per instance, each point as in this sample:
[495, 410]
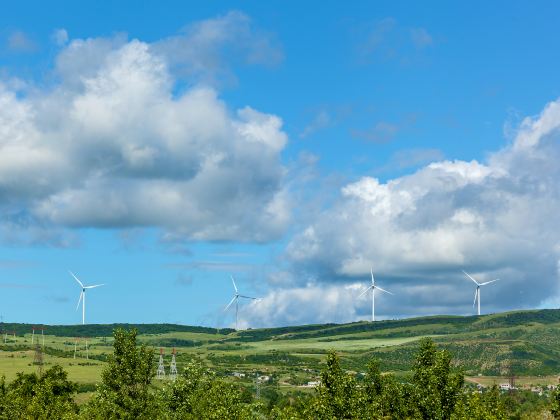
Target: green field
[489, 348]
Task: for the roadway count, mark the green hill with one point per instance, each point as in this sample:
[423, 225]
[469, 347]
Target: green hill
[522, 342]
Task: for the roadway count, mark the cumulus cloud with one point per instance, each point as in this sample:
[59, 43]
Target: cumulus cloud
[312, 303]
[114, 145]
[497, 218]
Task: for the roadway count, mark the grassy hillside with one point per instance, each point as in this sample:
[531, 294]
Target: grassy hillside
[523, 342]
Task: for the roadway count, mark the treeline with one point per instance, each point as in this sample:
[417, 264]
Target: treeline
[411, 327]
[432, 325]
[436, 390]
[106, 330]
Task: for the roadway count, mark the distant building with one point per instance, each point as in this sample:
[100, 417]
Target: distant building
[506, 387]
[536, 390]
[238, 374]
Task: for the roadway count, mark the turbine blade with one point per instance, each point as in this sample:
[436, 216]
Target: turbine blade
[79, 299]
[78, 280]
[488, 282]
[233, 281]
[475, 296]
[364, 292]
[95, 285]
[248, 297]
[230, 303]
[383, 290]
[372, 279]
[469, 276]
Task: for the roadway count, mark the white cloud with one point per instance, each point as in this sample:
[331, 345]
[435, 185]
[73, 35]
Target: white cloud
[312, 303]
[60, 37]
[497, 218]
[19, 41]
[202, 49]
[114, 145]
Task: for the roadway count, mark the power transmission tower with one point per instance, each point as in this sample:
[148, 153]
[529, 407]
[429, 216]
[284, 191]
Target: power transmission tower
[75, 347]
[511, 378]
[258, 386]
[173, 367]
[43, 335]
[161, 368]
[38, 359]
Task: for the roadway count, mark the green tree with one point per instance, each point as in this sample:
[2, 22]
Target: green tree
[32, 396]
[555, 408]
[124, 392]
[477, 406]
[437, 385]
[197, 394]
[384, 397]
[337, 393]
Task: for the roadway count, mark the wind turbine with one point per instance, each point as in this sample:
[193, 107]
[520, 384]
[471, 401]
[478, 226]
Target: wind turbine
[235, 299]
[83, 296]
[373, 287]
[477, 291]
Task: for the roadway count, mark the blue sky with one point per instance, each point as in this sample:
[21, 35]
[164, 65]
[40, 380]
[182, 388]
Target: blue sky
[161, 148]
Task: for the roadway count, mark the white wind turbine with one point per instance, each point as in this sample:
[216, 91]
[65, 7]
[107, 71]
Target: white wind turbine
[477, 291]
[235, 299]
[373, 287]
[83, 296]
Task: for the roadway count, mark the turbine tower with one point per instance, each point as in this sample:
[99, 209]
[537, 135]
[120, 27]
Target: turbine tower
[82, 297]
[235, 299]
[477, 291]
[373, 287]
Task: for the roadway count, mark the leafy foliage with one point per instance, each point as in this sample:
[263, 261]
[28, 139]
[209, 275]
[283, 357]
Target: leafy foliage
[32, 396]
[124, 392]
[555, 409]
[197, 394]
[436, 390]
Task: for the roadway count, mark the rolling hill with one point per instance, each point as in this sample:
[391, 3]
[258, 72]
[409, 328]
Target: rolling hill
[525, 343]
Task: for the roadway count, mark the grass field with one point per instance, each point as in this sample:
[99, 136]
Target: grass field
[79, 370]
[488, 347]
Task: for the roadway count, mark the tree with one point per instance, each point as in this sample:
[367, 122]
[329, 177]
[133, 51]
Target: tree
[124, 392]
[480, 406]
[555, 409]
[437, 385]
[197, 393]
[45, 396]
[337, 393]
